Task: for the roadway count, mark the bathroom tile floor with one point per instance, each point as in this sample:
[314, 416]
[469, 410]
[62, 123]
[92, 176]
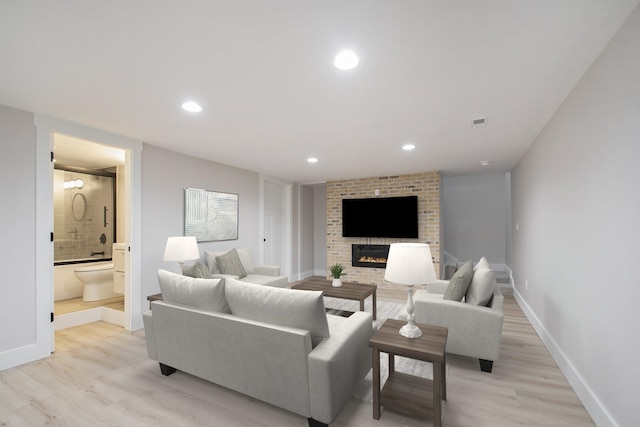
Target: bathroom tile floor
[76, 304]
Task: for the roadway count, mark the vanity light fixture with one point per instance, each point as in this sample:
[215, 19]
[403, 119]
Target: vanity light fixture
[346, 60]
[192, 107]
[73, 183]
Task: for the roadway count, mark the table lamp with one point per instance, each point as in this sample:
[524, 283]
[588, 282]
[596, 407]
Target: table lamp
[181, 249]
[410, 264]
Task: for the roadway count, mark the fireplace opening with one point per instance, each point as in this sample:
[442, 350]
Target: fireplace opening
[369, 256]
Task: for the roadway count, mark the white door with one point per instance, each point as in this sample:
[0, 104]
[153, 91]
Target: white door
[274, 219]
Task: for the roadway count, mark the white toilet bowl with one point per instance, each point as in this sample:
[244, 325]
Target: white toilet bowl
[98, 281]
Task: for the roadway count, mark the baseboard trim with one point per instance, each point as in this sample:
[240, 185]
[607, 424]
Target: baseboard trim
[592, 404]
[96, 314]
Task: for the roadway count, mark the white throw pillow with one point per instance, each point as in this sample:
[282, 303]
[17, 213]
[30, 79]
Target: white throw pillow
[211, 260]
[280, 306]
[483, 283]
[245, 259]
[203, 294]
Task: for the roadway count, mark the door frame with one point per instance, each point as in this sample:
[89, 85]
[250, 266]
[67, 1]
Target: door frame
[45, 128]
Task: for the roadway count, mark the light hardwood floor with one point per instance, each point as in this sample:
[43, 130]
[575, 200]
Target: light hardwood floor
[101, 376]
[76, 304]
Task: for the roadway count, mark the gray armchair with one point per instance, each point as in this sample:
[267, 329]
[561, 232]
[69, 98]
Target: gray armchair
[474, 331]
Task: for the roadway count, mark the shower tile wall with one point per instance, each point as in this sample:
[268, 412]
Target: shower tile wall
[76, 232]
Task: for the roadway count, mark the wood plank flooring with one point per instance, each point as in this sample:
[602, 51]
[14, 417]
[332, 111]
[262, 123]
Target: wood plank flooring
[101, 376]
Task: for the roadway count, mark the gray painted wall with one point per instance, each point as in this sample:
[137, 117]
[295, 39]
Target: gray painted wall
[474, 212]
[165, 175]
[576, 199]
[17, 228]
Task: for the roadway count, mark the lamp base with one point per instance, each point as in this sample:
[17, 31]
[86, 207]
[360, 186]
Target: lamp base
[410, 331]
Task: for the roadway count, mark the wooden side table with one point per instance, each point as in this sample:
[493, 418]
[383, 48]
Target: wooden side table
[403, 392]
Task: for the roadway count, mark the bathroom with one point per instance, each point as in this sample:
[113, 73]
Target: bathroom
[88, 272]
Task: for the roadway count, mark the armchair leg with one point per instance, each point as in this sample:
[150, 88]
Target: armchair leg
[486, 365]
[166, 369]
[316, 423]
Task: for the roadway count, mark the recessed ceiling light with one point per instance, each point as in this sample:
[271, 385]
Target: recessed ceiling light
[409, 147]
[485, 162]
[192, 107]
[346, 60]
[312, 160]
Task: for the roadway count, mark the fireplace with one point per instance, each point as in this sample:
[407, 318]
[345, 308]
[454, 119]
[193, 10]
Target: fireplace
[369, 256]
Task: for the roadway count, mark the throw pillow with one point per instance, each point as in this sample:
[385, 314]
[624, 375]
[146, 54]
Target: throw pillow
[230, 263]
[203, 294]
[280, 306]
[197, 270]
[245, 259]
[211, 261]
[459, 283]
[482, 284]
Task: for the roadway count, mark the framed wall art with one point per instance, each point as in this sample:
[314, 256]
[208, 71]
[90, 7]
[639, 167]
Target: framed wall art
[210, 216]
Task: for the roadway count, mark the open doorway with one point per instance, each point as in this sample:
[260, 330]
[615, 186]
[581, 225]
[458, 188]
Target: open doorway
[89, 224]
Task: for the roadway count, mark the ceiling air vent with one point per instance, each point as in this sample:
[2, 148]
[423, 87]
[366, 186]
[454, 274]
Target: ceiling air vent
[480, 122]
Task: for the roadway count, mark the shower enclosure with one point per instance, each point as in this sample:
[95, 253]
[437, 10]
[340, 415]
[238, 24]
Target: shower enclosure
[84, 215]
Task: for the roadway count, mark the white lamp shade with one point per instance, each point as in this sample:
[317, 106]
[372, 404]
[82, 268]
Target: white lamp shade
[181, 248]
[410, 264]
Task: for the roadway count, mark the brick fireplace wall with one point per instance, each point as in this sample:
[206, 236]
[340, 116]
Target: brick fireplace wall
[424, 185]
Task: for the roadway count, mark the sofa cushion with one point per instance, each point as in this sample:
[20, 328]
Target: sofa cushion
[283, 307]
[459, 283]
[482, 284]
[203, 294]
[210, 257]
[245, 259]
[197, 270]
[230, 263]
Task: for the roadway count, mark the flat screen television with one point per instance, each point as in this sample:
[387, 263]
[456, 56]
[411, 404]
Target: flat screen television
[380, 217]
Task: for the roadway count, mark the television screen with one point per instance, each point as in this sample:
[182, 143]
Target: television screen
[380, 217]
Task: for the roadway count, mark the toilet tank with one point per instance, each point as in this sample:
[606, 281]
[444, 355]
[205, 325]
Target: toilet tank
[118, 268]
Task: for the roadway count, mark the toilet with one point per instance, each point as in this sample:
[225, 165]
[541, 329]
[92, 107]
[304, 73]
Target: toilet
[97, 280]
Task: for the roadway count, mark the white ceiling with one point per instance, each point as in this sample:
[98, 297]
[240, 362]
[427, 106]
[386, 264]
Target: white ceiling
[263, 72]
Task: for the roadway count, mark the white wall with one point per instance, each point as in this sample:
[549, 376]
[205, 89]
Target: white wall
[576, 198]
[165, 175]
[474, 212]
[307, 247]
[320, 230]
[17, 228]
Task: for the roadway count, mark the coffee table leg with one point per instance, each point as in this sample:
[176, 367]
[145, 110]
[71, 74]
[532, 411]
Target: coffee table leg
[437, 394]
[376, 384]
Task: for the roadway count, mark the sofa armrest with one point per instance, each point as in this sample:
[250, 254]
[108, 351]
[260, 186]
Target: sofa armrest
[267, 270]
[337, 365]
[149, 334]
[474, 331]
[224, 276]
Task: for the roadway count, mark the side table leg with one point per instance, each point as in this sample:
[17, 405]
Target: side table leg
[444, 378]
[376, 384]
[437, 394]
[374, 305]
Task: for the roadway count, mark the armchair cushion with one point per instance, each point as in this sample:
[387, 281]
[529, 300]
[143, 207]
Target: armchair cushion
[203, 294]
[283, 307]
[482, 284]
[459, 283]
[230, 263]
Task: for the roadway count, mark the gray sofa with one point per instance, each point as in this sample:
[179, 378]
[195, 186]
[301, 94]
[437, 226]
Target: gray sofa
[275, 345]
[475, 324]
[267, 275]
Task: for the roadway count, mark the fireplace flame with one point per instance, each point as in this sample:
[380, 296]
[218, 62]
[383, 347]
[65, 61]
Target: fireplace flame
[373, 259]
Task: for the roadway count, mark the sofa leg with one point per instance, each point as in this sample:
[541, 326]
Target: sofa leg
[316, 423]
[166, 369]
[486, 365]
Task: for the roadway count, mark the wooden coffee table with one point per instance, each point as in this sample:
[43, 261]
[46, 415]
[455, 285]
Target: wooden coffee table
[403, 392]
[351, 291]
